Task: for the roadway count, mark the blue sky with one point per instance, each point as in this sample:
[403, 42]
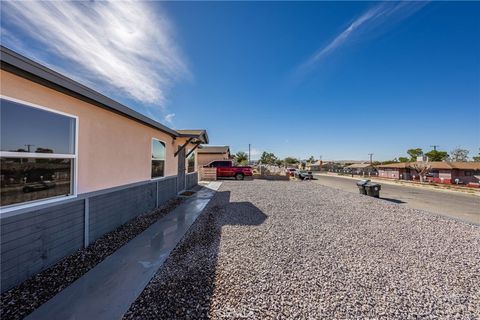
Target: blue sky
[336, 79]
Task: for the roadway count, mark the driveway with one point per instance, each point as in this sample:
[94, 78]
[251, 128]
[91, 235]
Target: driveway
[453, 204]
[297, 250]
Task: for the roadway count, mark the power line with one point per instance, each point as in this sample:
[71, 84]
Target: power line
[434, 147]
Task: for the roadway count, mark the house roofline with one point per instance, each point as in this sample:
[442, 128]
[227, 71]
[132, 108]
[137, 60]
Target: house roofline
[24, 67]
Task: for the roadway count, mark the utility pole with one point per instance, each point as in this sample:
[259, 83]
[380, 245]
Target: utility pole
[28, 146]
[249, 154]
[371, 156]
[435, 147]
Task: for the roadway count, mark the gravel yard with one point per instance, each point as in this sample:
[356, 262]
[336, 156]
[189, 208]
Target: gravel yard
[274, 249]
[20, 301]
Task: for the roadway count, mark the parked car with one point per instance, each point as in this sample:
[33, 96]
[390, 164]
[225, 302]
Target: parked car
[302, 174]
[37, 186]
[291, 171]
[225, 168]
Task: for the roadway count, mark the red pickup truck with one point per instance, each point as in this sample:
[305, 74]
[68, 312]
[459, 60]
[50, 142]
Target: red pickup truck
[225, 168]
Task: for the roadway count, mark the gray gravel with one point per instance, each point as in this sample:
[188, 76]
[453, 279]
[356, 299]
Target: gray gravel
[278, 250]
[21, 300]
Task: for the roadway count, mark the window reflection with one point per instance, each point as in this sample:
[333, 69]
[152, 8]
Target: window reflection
[158, 168]
[28, 179]
[29, 129]
[158, 158]
[191, 163]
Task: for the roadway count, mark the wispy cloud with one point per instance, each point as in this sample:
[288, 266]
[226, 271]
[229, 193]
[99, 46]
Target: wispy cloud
[123, 46]
[374, 21]
[169, 117]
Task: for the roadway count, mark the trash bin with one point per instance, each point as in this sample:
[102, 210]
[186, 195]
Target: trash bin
[373, 189]
[361, 186]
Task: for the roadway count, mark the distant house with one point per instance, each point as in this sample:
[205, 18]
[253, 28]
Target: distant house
[400, 170]
[314, 166]
[440, 172]
[207, 154]
[361, 168]
[330, 165]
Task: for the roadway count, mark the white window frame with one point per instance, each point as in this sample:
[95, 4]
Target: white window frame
[164, 161]
[74, 157]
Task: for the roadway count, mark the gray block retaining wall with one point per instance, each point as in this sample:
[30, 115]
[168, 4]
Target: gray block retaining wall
[191, 180]
[35, 238]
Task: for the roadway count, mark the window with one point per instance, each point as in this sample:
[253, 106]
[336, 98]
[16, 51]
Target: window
[216, 164]
[191, 162]
[37, 153]
[158, 158]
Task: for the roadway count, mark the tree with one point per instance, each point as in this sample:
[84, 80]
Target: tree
[476, 158]
[459, 154]
[311, 159]
[268, 158]
[403, 159]
[422, 167]
[414, 153]
[436, 155]
[389, 161]
[290, 160]
[279, 162]
[241, 157]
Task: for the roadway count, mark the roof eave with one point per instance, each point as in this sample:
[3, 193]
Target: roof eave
[24, 67]
[203, 137]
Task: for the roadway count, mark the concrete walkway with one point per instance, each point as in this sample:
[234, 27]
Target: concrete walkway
[108, 290]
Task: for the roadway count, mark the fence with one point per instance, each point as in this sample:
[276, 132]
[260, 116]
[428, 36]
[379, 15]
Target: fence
[208, 174]
[33, 239]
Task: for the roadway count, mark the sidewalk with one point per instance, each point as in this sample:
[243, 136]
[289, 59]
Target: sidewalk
[404, 183]
[108, 290]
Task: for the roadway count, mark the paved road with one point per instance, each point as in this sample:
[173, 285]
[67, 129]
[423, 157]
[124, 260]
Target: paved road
[461, 206]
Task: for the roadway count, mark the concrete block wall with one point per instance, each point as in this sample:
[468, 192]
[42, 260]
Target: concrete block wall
[110, 210]
[192, 179]
[33, 239]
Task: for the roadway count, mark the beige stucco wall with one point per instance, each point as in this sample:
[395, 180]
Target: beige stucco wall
[206, 158]
[112, 150]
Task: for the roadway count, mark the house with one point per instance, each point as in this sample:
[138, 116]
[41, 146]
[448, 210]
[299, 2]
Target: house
[399, 170]
[207, 154]
[314, 166]
[361, 168]
[75, 165]
[440, 172]
[330, 165]
[191, 157]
